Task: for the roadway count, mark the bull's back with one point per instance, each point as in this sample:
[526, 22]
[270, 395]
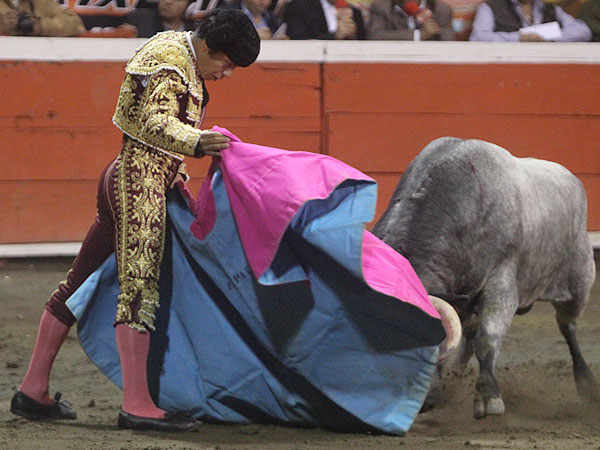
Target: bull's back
[448, 216]
[465, 206]
[555, 246]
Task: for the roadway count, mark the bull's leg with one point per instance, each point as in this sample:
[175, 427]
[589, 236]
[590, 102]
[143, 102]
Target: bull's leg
[587, 386]
[498, 305]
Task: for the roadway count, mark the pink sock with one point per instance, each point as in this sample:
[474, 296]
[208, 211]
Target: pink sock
[51, 334]
[133, 349]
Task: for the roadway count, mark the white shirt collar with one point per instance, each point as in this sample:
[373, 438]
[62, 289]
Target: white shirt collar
[188, 36]
[330, 16]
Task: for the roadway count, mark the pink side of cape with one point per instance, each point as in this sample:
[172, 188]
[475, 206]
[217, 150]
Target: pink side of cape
[266, 189]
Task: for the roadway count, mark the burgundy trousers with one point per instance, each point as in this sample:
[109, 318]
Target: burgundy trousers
[98, 244]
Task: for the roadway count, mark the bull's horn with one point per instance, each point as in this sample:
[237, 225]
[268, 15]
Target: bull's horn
[451, 324]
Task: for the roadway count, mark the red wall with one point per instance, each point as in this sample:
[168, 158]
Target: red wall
[56, 133]
[379, 116]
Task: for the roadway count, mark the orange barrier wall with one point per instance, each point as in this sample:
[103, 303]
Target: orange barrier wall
[56, 133]
[541, 110]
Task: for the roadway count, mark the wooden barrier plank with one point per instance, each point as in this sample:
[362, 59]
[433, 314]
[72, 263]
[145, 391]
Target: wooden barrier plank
[46, 153]
[53, 122]
[46, 211]
[61, 93]
[291, 133]
[62, 211]
[468, 89]
[267, 90]
[54, 210]
[57, 153]
[85, 93]
[383, 142]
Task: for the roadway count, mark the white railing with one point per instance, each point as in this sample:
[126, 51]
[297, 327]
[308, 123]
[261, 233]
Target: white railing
[100, 49]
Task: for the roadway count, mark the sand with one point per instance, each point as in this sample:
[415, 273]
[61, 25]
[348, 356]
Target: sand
[534, 372]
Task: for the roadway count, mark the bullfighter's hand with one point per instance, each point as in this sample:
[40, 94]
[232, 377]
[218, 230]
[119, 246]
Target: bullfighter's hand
[212, 142]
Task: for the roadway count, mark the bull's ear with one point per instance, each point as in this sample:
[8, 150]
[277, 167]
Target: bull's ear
[451, 324]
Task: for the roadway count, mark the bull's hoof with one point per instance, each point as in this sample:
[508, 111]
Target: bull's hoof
[487, 407]
[495, 407]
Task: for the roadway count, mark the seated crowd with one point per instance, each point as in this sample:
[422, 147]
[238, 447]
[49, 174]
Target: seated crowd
[408, 20]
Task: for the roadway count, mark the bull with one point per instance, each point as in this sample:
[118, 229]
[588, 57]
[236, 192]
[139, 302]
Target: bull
[498, 232]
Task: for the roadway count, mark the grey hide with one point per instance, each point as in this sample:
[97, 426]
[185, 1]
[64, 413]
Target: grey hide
[501, 232]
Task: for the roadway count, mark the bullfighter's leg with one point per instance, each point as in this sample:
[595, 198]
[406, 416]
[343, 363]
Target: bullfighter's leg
[57, 319]
[498, 306]
[141, 220]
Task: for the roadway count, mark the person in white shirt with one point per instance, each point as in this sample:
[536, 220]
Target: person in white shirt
[502, 21]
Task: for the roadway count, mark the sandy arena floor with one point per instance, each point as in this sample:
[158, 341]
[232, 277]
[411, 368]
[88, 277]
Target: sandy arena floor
[534, 371]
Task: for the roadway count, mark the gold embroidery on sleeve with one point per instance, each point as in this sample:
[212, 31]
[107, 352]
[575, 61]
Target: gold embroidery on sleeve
[172, 100]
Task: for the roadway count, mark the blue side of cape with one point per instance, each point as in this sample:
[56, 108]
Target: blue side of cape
[309, 344]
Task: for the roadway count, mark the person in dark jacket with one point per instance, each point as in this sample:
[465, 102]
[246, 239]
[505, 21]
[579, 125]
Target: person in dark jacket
[323, 19]
[409, 20]
[590, 14]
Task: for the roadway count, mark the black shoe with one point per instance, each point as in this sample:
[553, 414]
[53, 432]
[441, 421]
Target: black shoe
[172, 421]
[24, 406]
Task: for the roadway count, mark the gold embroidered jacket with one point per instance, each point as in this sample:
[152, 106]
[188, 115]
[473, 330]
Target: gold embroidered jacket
[160, 103]
[159, 111]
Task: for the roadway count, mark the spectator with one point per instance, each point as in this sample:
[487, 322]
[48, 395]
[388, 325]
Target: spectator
[169, 15]
[265, 21]
[113, 14]
[590, 14]
[322, 19]
[501, 21]
[38, 18]
[405, 20]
